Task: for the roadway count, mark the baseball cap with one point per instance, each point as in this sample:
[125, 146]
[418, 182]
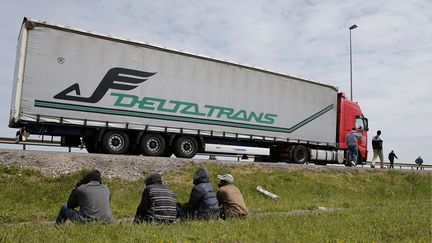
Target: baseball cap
[227, 177]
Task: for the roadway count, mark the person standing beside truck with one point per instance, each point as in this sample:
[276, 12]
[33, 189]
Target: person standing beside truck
[377, 147]
[351, 141]
[391, 157]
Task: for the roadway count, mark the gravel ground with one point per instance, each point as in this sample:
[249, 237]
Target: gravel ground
[112, 166]
[123, 166]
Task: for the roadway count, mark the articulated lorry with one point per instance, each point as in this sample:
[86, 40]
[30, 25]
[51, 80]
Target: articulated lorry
[119, 96]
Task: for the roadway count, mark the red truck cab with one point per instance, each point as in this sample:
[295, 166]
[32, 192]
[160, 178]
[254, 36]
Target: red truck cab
[349, 115]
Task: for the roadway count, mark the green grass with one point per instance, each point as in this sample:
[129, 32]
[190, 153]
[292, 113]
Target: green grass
[372, 205]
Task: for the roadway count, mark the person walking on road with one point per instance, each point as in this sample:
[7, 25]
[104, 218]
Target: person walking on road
[351, 141]
[391, 158]
[377, 147]
[419, 162]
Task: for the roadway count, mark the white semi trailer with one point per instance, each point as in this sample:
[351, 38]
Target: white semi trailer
[126, 97]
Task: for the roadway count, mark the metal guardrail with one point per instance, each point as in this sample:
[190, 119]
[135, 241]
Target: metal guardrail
[212, 156]
[400, 165]
[35, 142]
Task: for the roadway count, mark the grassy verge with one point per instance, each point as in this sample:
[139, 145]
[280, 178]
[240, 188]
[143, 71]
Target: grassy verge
[383, 206]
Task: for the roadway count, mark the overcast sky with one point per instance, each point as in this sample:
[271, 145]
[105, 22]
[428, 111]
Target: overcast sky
[392, 48]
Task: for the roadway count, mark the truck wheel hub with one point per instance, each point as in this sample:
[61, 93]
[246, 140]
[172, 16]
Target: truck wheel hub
[153, 144]
[187, 147]
[116, 142]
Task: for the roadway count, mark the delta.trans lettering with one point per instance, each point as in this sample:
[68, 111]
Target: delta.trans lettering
[187, 108]
[128, 79]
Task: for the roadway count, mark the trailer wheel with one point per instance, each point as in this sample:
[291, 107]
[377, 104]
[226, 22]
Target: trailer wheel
[152, 145]
[115, 142]
[300, 154]
[185, 147]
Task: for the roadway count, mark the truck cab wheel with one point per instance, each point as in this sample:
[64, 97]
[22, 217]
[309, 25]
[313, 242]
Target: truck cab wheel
[115, 142]
[300, 154]
[185, 147]
[152, 145]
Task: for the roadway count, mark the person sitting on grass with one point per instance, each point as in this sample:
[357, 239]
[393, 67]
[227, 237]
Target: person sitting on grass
[158, 203]
[230, 198]
[202, 203]
[92, 198]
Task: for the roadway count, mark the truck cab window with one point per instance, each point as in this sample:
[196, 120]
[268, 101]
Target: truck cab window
[359, 124]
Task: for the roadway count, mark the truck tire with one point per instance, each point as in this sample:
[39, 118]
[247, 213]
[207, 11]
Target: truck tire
[300, 154]
[152, 145]
[115, 142]
[185, 147]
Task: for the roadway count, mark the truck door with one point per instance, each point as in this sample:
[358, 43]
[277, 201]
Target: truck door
[361, 124]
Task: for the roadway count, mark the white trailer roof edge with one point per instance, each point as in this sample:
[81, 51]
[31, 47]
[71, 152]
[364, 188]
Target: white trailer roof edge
[29, 23]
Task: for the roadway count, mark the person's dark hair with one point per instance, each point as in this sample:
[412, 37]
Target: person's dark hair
[353, 129]
[93, 175]
[379, 132]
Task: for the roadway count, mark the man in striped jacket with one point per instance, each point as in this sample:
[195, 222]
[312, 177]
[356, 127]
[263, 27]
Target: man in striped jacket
[158, 203]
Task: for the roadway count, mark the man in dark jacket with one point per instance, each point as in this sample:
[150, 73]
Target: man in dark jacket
[158, 203]
[203, 203]
[92, 198]
[377, 146]
[419, 162]
[391, 158]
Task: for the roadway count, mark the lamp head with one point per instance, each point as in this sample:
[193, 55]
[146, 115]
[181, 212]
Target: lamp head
[353, 27]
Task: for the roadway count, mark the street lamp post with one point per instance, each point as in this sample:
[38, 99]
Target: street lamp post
[351, 28]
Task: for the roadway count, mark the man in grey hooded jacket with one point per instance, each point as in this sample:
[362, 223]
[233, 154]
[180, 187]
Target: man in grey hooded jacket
[203, 203]
[92, 198]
